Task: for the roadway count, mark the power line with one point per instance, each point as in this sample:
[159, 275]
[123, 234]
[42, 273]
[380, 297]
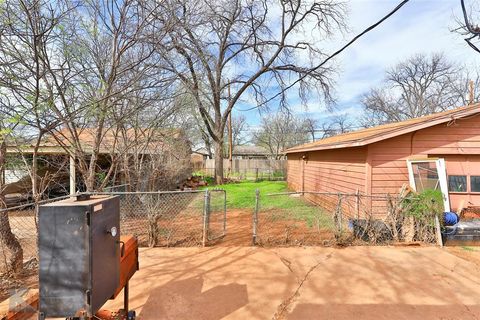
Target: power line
[358, 36]
[474, 31]
[253, 130]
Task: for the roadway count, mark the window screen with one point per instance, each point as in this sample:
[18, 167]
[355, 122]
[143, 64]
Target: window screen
[475, 183]
[457, 183]
[425, 175]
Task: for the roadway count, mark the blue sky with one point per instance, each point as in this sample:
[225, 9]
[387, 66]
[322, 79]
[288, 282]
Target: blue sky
[421, 26]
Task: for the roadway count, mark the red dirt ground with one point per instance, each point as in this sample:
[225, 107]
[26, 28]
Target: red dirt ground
[28, 279]
[270, 232]
[239, 229]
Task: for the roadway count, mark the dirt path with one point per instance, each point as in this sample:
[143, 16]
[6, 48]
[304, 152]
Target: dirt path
[239, 229]
[271, 231]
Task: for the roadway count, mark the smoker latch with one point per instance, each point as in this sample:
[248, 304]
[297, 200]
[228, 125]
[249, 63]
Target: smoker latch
[89, 297]
[87, 217]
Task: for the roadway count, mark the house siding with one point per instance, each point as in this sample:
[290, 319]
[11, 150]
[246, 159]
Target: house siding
[380, 168]
[331, 171]
[389, 169]
[328, 171]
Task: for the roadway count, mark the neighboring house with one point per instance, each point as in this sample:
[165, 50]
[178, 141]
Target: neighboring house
[198, 158]
[441, 151]
[168, 146]
[250, 152]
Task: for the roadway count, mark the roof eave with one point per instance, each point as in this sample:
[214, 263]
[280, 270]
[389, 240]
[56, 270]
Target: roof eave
[388, 135]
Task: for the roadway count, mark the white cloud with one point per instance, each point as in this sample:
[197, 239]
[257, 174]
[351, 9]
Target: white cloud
[421, 26]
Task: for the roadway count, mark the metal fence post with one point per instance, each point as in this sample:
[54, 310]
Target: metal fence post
[255, 216]
[224, 212]
[206, 214]
[340, 213]
[357, 203]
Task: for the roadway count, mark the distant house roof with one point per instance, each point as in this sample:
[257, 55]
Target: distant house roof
[386, 131]
[145, 141]
[201, 151]
[250, 151]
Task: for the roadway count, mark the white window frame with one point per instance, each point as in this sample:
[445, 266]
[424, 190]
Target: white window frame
[442, 177]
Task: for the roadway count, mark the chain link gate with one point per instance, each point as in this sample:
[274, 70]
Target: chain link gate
[173, 218]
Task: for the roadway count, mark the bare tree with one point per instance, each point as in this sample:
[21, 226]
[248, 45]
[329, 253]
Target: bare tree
[336, 125]
[249, 46]
[112, 65]
[187, 117]
[15, 264]
[310, 125]
[279, 132]
[25, 28]
[239, 127]
[470, 27]
[418, 86]
[153, 156]
[81, 75]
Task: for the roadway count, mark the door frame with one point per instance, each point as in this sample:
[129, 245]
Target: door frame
[442, 177]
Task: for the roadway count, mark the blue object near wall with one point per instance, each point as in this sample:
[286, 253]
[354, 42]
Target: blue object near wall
[450, 218]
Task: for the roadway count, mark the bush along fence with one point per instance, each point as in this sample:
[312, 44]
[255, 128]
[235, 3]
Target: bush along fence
[321, 218]
[167, 219]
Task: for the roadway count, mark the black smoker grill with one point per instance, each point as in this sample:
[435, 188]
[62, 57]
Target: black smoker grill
[79, 255]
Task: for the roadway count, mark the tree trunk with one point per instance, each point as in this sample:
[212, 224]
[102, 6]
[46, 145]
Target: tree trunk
[219, 161]
[90, 180]
[15, 263]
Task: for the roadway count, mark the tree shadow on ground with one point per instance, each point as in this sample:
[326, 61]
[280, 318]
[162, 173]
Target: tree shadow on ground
[184, 299]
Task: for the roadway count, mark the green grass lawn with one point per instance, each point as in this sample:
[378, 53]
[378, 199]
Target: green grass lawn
[242, 196]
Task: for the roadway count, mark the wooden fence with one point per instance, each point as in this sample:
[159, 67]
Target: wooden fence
[250, 168]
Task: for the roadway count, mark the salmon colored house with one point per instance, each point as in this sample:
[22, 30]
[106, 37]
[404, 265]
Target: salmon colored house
[440, 151]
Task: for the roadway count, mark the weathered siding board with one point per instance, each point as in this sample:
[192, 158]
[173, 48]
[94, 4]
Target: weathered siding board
[328, 171]
[460, 137]
[389, 167]
[293, 171]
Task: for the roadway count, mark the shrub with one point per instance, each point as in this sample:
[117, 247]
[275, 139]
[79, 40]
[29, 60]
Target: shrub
[423, 207]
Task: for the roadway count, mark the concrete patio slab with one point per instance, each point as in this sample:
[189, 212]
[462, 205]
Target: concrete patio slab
[304, 283]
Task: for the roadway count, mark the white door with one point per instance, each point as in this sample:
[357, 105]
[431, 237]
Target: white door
[429, 174]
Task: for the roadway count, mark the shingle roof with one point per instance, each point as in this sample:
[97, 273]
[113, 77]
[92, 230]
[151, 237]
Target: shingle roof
[154, 138]
[146, 141]
[249, 150]
[370, 135]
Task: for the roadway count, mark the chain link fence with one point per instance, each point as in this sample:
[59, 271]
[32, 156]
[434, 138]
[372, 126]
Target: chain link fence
[320, 218]
[199, 218]
[22, 222]
[163, 219]
[217, 215]
[172, 218]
